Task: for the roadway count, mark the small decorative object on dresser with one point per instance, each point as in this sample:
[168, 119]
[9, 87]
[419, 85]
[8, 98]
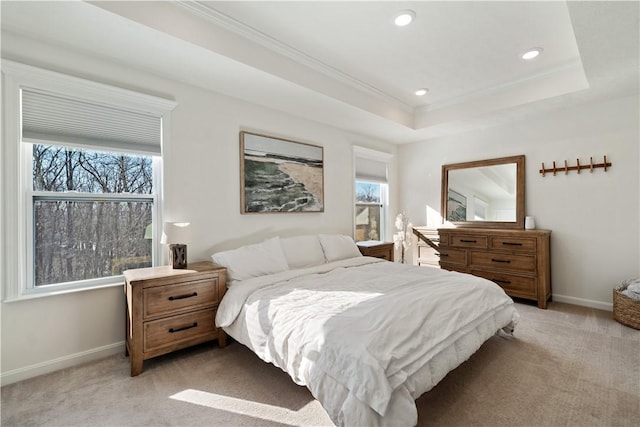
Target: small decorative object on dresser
[377, 249]
[517, 260]
[176, 234]
[171, 309]
[529, 223]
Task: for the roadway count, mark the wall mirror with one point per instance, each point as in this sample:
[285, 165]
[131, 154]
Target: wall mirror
[484, 193]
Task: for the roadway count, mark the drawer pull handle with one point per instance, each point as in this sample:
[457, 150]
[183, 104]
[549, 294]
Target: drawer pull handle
[506, 282]
[442, 255]
[468, 241]
[172, 298]
[507, 261]
[511, 244]
[184, 328]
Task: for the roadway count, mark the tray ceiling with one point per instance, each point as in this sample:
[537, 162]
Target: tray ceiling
[348, 65]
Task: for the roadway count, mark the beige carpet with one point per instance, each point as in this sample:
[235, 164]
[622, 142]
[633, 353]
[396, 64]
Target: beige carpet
[566, 366]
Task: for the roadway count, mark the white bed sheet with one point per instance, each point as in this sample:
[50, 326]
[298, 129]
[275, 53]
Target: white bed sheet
[366, 336]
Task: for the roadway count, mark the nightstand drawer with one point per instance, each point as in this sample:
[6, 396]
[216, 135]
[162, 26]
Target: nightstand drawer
[377, 249]
[173, 298]
[173, 330]
[380, 252]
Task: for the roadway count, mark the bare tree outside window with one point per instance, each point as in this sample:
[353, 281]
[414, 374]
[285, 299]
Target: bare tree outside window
[80, 232]
[367, 192]
[368, 211]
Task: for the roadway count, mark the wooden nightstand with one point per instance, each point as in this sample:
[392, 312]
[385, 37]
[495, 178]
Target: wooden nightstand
[377, 249]
[169, 309]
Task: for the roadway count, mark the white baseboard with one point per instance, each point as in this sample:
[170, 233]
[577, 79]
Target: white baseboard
[606, 306]
[31, 371]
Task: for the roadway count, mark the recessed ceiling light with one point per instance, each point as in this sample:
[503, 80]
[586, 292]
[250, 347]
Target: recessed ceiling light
[422, 92]
[404, 18]
[531, 53]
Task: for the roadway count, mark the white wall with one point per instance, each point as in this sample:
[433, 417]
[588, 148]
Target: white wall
[594, 217]
[201, 184]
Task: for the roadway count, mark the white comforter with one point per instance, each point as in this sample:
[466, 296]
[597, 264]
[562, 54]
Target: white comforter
[366, 336]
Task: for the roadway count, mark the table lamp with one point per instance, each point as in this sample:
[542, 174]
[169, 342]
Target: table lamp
[176, 234]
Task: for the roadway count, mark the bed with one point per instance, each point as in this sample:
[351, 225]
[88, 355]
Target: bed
[366, 336]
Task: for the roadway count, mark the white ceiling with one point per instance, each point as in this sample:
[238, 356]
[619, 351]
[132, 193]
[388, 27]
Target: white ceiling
[455, 49]
[347, 65]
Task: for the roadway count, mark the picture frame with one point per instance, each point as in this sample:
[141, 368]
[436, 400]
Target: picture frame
[456, 206]
[279, 175]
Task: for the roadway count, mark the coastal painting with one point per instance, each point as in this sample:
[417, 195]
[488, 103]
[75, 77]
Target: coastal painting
[279, 175]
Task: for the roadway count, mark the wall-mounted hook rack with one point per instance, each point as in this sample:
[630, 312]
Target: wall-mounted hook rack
[591, 166]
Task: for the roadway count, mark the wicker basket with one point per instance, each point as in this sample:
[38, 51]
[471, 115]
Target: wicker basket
[625, 309]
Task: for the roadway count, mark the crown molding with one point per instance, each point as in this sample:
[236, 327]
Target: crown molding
[574, 64]
[254, 35]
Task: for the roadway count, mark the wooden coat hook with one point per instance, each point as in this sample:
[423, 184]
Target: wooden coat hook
[591, 166]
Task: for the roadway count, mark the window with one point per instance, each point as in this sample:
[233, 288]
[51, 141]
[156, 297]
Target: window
[371, 194]
[479, 209]
[82, 198]
[90, 213]
[369, 210]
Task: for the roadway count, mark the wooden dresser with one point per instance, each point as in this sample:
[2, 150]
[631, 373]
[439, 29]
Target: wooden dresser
[517, 260]
[169, 309]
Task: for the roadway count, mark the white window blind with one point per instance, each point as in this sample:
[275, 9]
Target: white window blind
[53, 119]
[370, 170]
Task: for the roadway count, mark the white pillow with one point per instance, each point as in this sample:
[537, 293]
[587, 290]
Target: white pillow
[253, 260]
[302, 251]
[337, 247]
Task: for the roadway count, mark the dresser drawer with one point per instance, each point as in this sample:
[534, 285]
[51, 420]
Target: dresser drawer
[454, 257]
[516, 285]
[503, 261]
[173, 330]
[523, 244]
[169, 299]
[468, 241]
[428, 256]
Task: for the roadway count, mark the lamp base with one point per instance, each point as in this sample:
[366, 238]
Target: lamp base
[178, 256]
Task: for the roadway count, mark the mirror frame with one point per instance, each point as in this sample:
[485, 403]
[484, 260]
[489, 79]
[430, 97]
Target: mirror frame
[520, 196]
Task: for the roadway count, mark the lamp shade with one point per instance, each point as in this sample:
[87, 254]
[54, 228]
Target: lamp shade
[176, 233]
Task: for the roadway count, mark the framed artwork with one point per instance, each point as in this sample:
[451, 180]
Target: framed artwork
[279, 175]
[456, 206]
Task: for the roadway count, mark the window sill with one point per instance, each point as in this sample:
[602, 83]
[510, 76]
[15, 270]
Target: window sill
[53, 292]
